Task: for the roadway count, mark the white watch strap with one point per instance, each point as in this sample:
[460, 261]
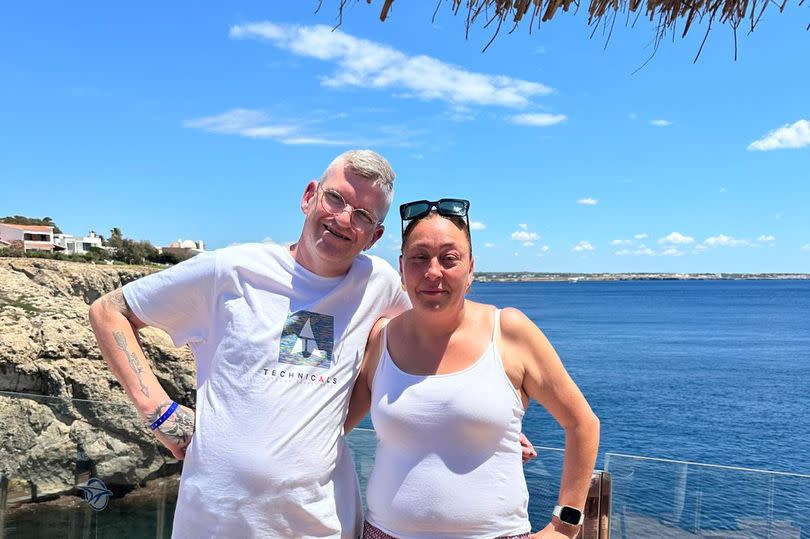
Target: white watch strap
[558, 509]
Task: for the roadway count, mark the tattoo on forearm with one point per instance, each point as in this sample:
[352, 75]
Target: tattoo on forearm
[179, 427]
[134, 364]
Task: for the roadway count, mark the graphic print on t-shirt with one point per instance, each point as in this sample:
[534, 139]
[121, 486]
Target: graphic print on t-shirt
[307, 339]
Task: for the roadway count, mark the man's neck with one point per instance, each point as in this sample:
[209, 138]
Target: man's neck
[313, 264]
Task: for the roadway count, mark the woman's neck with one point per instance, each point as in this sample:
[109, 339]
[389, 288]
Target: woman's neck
[430, 325]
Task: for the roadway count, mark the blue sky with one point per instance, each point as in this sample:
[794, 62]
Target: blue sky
[205, 121]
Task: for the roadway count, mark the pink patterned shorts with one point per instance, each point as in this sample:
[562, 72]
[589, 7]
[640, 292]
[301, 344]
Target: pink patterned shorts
[371, 532]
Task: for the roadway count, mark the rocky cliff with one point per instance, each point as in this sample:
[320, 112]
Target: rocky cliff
[63, 414]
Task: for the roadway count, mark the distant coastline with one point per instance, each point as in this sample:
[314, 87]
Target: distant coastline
[528, 276]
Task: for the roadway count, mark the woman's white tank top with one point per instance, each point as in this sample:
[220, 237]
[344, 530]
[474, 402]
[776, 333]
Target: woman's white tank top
[448, 462]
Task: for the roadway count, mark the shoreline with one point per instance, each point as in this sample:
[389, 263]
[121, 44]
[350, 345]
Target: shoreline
[512, 277]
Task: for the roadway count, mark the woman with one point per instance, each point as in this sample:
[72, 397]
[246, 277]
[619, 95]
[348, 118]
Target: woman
[447, 383]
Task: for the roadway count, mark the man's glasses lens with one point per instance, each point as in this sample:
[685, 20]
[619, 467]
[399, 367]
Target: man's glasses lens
[334, 203]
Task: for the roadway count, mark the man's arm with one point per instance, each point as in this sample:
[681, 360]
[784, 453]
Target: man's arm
[116, 326]
[360, 401]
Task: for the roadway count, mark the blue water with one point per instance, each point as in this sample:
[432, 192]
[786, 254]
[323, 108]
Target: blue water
[715, 372]
[708, 371]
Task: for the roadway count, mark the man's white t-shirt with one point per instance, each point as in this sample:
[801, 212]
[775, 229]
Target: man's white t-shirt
[278, 349]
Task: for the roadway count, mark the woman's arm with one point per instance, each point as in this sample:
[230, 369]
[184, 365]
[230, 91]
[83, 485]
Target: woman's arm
[546, 381]
[360, 401]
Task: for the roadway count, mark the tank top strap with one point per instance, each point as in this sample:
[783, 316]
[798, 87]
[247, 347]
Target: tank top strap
[496, 327]
[498, 360]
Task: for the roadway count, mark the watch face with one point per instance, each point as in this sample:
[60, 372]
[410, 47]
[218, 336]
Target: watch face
[570, 515]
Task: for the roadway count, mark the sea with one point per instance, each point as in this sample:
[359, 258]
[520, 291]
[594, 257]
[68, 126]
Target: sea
[715, 372]
[707, 372]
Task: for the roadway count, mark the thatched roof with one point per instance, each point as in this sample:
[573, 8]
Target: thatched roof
[665, 14]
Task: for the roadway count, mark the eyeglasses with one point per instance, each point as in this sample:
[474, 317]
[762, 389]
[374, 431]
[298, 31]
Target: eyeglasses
[334, 203]
[448, 207]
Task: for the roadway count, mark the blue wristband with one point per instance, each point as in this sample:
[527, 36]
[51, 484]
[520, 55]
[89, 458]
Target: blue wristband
[159, 421]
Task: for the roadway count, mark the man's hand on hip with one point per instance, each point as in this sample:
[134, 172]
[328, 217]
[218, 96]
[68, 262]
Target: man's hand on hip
[176, 431]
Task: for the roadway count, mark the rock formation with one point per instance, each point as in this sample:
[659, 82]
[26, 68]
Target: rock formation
[64, 416]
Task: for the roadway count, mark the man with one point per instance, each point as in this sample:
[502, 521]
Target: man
[278, 334]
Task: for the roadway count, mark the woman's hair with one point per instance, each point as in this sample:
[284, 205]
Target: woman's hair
[460, 223]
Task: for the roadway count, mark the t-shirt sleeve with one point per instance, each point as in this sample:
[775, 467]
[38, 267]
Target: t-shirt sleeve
[399, 301]
[399, 304]
[178, 300]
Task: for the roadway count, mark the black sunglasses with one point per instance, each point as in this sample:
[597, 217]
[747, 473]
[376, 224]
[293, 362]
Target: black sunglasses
[448, 207]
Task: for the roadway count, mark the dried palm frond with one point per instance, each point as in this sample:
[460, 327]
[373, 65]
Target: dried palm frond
[663, 13]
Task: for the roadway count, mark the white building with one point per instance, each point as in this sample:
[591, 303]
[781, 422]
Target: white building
[28, 237]
[77, 245]
[184, 248]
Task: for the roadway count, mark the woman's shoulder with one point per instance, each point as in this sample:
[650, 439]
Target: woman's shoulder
[515, 325]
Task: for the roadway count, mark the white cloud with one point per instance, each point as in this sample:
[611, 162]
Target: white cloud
[460, 113]
[724, 241]
[476, 225]
[660, 123]
[489, 245]
[621, 242]
[256, 124]
[545, 248]
[640, 236]
[524, 235]
[642, 250]
[523, 226]
[588, 201]
[806, 247]
[583, 246]
[766, 238]
[787, 136]
[538, 119]
[368, 64]
[671, 251]
[676, 238]
[528, 243]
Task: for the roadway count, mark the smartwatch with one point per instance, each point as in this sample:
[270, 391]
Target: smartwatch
[569, 515]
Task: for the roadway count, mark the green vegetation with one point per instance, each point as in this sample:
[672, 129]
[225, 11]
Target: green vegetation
[118, 249]
[137, 252]
[22, 220]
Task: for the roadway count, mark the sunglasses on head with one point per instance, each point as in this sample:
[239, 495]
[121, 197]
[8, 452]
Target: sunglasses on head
[448, 207]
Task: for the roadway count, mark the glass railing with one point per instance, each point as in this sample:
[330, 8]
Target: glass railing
[667, 498]
[86, 468]
[81, 468]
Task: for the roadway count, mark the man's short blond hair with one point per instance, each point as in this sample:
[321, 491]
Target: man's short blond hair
[369, 165]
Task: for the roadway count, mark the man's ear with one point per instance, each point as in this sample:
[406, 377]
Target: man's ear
[310, 196]
[378, 233]
[471, 277]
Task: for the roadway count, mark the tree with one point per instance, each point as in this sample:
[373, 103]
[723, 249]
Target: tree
[22, 220]
[116, 238]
